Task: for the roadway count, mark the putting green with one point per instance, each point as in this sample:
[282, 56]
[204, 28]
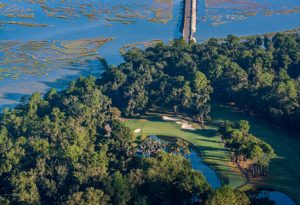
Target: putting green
[282, 174]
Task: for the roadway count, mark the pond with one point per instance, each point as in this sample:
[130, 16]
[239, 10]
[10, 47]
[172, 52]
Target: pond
[197, 164]
[278, 198]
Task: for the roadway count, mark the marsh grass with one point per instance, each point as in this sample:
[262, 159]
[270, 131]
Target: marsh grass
[37, 58]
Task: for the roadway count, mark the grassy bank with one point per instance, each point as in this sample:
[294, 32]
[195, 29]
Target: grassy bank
[282, 177]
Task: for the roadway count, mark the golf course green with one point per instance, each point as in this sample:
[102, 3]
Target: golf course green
[282, 176]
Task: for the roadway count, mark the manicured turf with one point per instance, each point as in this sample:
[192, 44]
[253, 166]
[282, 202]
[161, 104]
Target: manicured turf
[207, 140]
[284, 173]
[283, 176]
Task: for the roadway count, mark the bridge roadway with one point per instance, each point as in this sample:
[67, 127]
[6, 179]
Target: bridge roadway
[189, 20]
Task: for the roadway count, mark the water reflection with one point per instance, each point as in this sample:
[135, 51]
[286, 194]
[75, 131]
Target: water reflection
[197, 164]
[271, 198]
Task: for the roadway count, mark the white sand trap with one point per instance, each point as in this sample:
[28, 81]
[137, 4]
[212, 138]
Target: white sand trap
[137, 130]
[166, 118]
[187, 127]
[184, 124]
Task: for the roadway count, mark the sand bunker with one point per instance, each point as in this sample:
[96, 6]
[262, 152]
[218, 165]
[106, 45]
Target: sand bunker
[184, 124]
[166, 118]
[137, 130]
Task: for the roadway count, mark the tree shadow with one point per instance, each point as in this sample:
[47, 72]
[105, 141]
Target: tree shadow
[209, 148]
[207, 140]
[204, 132]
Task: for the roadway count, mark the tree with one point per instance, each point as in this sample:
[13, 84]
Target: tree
[25, 188]
[246, 147]
[90, 196]
[226, 196]
[118, 188]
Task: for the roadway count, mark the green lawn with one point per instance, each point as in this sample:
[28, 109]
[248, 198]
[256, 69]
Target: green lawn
[283, 174]
[207, 140]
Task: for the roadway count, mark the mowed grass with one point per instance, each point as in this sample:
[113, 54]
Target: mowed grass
[284, 172]
[207, 140]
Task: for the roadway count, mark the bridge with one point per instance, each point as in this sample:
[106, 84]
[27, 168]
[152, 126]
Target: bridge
[189, 20]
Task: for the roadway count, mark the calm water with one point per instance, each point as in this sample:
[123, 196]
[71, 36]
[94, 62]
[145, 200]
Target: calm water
[219, 18]
[197, 164]
[48, 44]
[211, 176]
[275, 196]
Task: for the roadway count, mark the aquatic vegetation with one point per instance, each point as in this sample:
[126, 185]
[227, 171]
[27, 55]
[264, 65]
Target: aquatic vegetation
[37, 58]
[283, 11]
[141, 45]
[2, 5]
[126, 12]
[122, 20]
[20, 23]
[12, 15]
[15, 11]
[163, 13]
[225, 11]
[52, 42]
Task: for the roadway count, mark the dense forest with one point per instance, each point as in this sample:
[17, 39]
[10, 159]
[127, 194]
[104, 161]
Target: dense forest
[259, 75]
[70, 147]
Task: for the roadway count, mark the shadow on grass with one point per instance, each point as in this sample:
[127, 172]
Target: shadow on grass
[153, 118]
[204, 132]
[209, 148]
[214, 158]
[207, 140]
